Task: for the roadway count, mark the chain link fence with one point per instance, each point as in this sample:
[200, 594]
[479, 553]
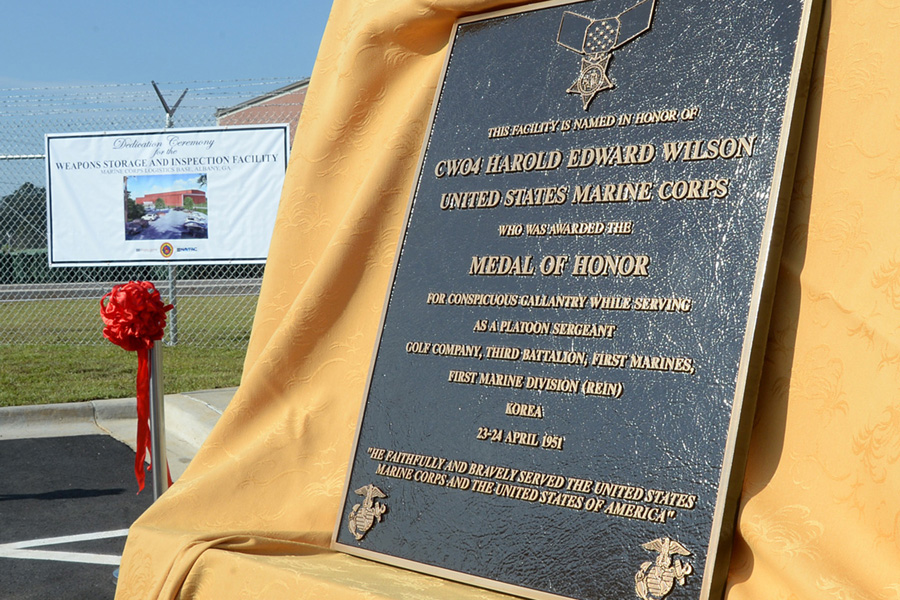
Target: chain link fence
[60, 305]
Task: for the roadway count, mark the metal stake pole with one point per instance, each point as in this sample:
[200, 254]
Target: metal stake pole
[159, 472]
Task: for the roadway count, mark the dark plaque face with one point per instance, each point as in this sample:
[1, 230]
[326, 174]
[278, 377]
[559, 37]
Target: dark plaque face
[554, 405]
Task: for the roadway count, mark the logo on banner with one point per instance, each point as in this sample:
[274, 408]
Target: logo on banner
[595, 39]
[167, 250]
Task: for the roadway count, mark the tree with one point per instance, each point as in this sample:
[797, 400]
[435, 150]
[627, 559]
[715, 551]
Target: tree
[135, 210]
[126, 195]
[159, 204]
[23, 218]
[188, 203]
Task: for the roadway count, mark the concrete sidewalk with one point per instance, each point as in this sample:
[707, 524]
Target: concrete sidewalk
[190, 417]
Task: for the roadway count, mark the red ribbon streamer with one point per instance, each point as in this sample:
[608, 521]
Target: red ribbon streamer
[135, 317]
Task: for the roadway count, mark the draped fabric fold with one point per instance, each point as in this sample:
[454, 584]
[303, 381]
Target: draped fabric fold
[252, 515]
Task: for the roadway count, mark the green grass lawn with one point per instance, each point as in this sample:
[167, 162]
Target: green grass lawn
[54, 351]
[48, 374]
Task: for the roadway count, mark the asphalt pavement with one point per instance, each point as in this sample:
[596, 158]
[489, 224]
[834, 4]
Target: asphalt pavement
[68, 493]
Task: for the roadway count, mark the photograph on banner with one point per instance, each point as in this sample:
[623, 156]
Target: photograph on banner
[166, 207]
[143, 197]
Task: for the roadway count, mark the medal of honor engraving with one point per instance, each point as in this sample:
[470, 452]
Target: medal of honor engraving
[595, 39]
[557, 404]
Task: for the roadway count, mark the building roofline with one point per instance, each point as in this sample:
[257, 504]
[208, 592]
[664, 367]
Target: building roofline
[282, 91]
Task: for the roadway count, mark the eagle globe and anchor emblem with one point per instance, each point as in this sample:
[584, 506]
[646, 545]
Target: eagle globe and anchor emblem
[656, 579]
[364, 514]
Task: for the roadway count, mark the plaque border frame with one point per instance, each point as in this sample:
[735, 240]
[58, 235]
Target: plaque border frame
[737, 442]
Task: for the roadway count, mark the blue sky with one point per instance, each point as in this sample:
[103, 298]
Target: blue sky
[48, 42]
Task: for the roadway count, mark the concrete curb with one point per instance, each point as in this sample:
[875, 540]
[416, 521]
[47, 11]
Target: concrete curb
[54, 420]
[119, 408]
[190, 417]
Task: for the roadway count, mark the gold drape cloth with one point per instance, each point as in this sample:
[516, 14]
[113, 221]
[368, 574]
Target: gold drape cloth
[820, 516]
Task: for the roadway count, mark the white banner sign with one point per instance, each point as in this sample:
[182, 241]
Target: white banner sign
[186, 196]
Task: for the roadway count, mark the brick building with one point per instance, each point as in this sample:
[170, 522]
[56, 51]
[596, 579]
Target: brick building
[173, 199]
[278, 106]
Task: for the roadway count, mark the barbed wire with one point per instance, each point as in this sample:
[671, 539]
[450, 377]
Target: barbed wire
[218, 82]
[55, 101]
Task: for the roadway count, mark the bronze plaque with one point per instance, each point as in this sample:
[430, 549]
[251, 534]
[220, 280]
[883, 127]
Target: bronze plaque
[557, 406]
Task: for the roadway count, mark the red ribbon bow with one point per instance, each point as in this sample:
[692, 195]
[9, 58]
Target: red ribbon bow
[135, 317]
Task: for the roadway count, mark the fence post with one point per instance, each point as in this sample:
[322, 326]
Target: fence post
[173, 294]
[173, 300]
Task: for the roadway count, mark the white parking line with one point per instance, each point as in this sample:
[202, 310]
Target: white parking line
[75, 557]
[22, 550]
